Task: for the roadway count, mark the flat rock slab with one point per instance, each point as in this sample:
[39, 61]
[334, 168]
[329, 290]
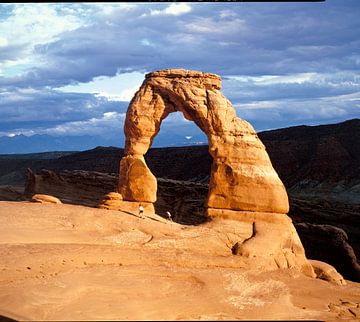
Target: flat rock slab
[97, 264]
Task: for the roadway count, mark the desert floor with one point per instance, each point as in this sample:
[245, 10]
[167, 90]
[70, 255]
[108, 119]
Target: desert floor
[66, 262]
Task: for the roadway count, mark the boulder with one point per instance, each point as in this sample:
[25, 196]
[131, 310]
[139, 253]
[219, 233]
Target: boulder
[45, 199]
[327, 272]
[130, 207]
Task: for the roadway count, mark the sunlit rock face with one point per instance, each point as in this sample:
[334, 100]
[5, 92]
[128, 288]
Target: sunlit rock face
[242, 176]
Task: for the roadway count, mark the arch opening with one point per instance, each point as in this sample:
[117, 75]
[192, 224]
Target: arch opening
[182, 172]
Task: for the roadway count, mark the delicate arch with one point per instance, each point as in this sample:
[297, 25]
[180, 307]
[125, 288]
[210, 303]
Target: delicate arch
[242, 176]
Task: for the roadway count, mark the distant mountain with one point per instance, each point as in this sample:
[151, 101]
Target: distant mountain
[324, 158]
[46, 143]
[20, 144]
[305, 157]
[39, 156]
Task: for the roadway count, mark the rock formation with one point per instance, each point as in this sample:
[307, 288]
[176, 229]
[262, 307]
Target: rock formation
[327, 272]
[331, 245]
[243, 184]
[75, 187]
[242, 176]
[41, 198]
[114, 200]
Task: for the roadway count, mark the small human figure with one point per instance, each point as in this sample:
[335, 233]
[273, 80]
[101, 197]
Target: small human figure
[141, 211]
[169, 215]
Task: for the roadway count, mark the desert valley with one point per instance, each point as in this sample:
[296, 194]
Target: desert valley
[263, 226]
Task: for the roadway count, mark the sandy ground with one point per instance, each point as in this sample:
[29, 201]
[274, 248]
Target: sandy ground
[66, 262]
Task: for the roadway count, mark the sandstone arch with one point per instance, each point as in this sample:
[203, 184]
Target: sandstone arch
[242, 176]
[247, 201]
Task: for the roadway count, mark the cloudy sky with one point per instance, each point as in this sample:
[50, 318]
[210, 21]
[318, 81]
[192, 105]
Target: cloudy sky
[70, 69]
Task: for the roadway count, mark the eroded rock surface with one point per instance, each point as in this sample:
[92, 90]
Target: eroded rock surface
[243, 182]
[185, 201]
[242, 176]
[330, 244]
[327, 272]
[42, 198]
[75, 187]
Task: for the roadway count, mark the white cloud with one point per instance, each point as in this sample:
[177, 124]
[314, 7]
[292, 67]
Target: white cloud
[277, 79]
[209, 25]
[30, 25]
[94, 126]
[258, 105]
[120, 87]
[36, 23]
[227, 13]
[3, 41]
[147, 42]
[99, 126]
[175, 9]
[127, 94]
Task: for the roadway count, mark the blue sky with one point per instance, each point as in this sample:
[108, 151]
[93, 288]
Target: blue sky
[70, 69]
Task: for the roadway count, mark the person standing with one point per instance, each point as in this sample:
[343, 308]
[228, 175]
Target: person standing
[141, 211]
[169, 215]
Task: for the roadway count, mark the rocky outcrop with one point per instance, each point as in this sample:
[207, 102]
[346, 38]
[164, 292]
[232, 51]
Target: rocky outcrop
[114, 201]
[41, 198]
[185, 201]
[242, 176]
[318, 161]
[269, 240]
[327, 272]
[8, 193]
[243, 184]
[76, 187]
[330, 244]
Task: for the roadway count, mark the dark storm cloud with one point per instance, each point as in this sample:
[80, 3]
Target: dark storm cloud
[235, 38]
[229, 39]
[27, 108]
[314, 86]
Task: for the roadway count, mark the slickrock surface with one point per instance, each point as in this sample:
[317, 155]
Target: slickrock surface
[66, 262]
[185, 201]
[242, 176]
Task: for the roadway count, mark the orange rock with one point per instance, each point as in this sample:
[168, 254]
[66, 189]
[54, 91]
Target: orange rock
[45, 199]
[136, 181]
[270, 240]
[127, 206]
[327, 272]
[242, 176]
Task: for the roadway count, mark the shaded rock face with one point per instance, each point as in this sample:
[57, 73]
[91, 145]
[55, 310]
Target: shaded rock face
[242, 176]
[330, 244]
[184, 199]
[75, 187]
